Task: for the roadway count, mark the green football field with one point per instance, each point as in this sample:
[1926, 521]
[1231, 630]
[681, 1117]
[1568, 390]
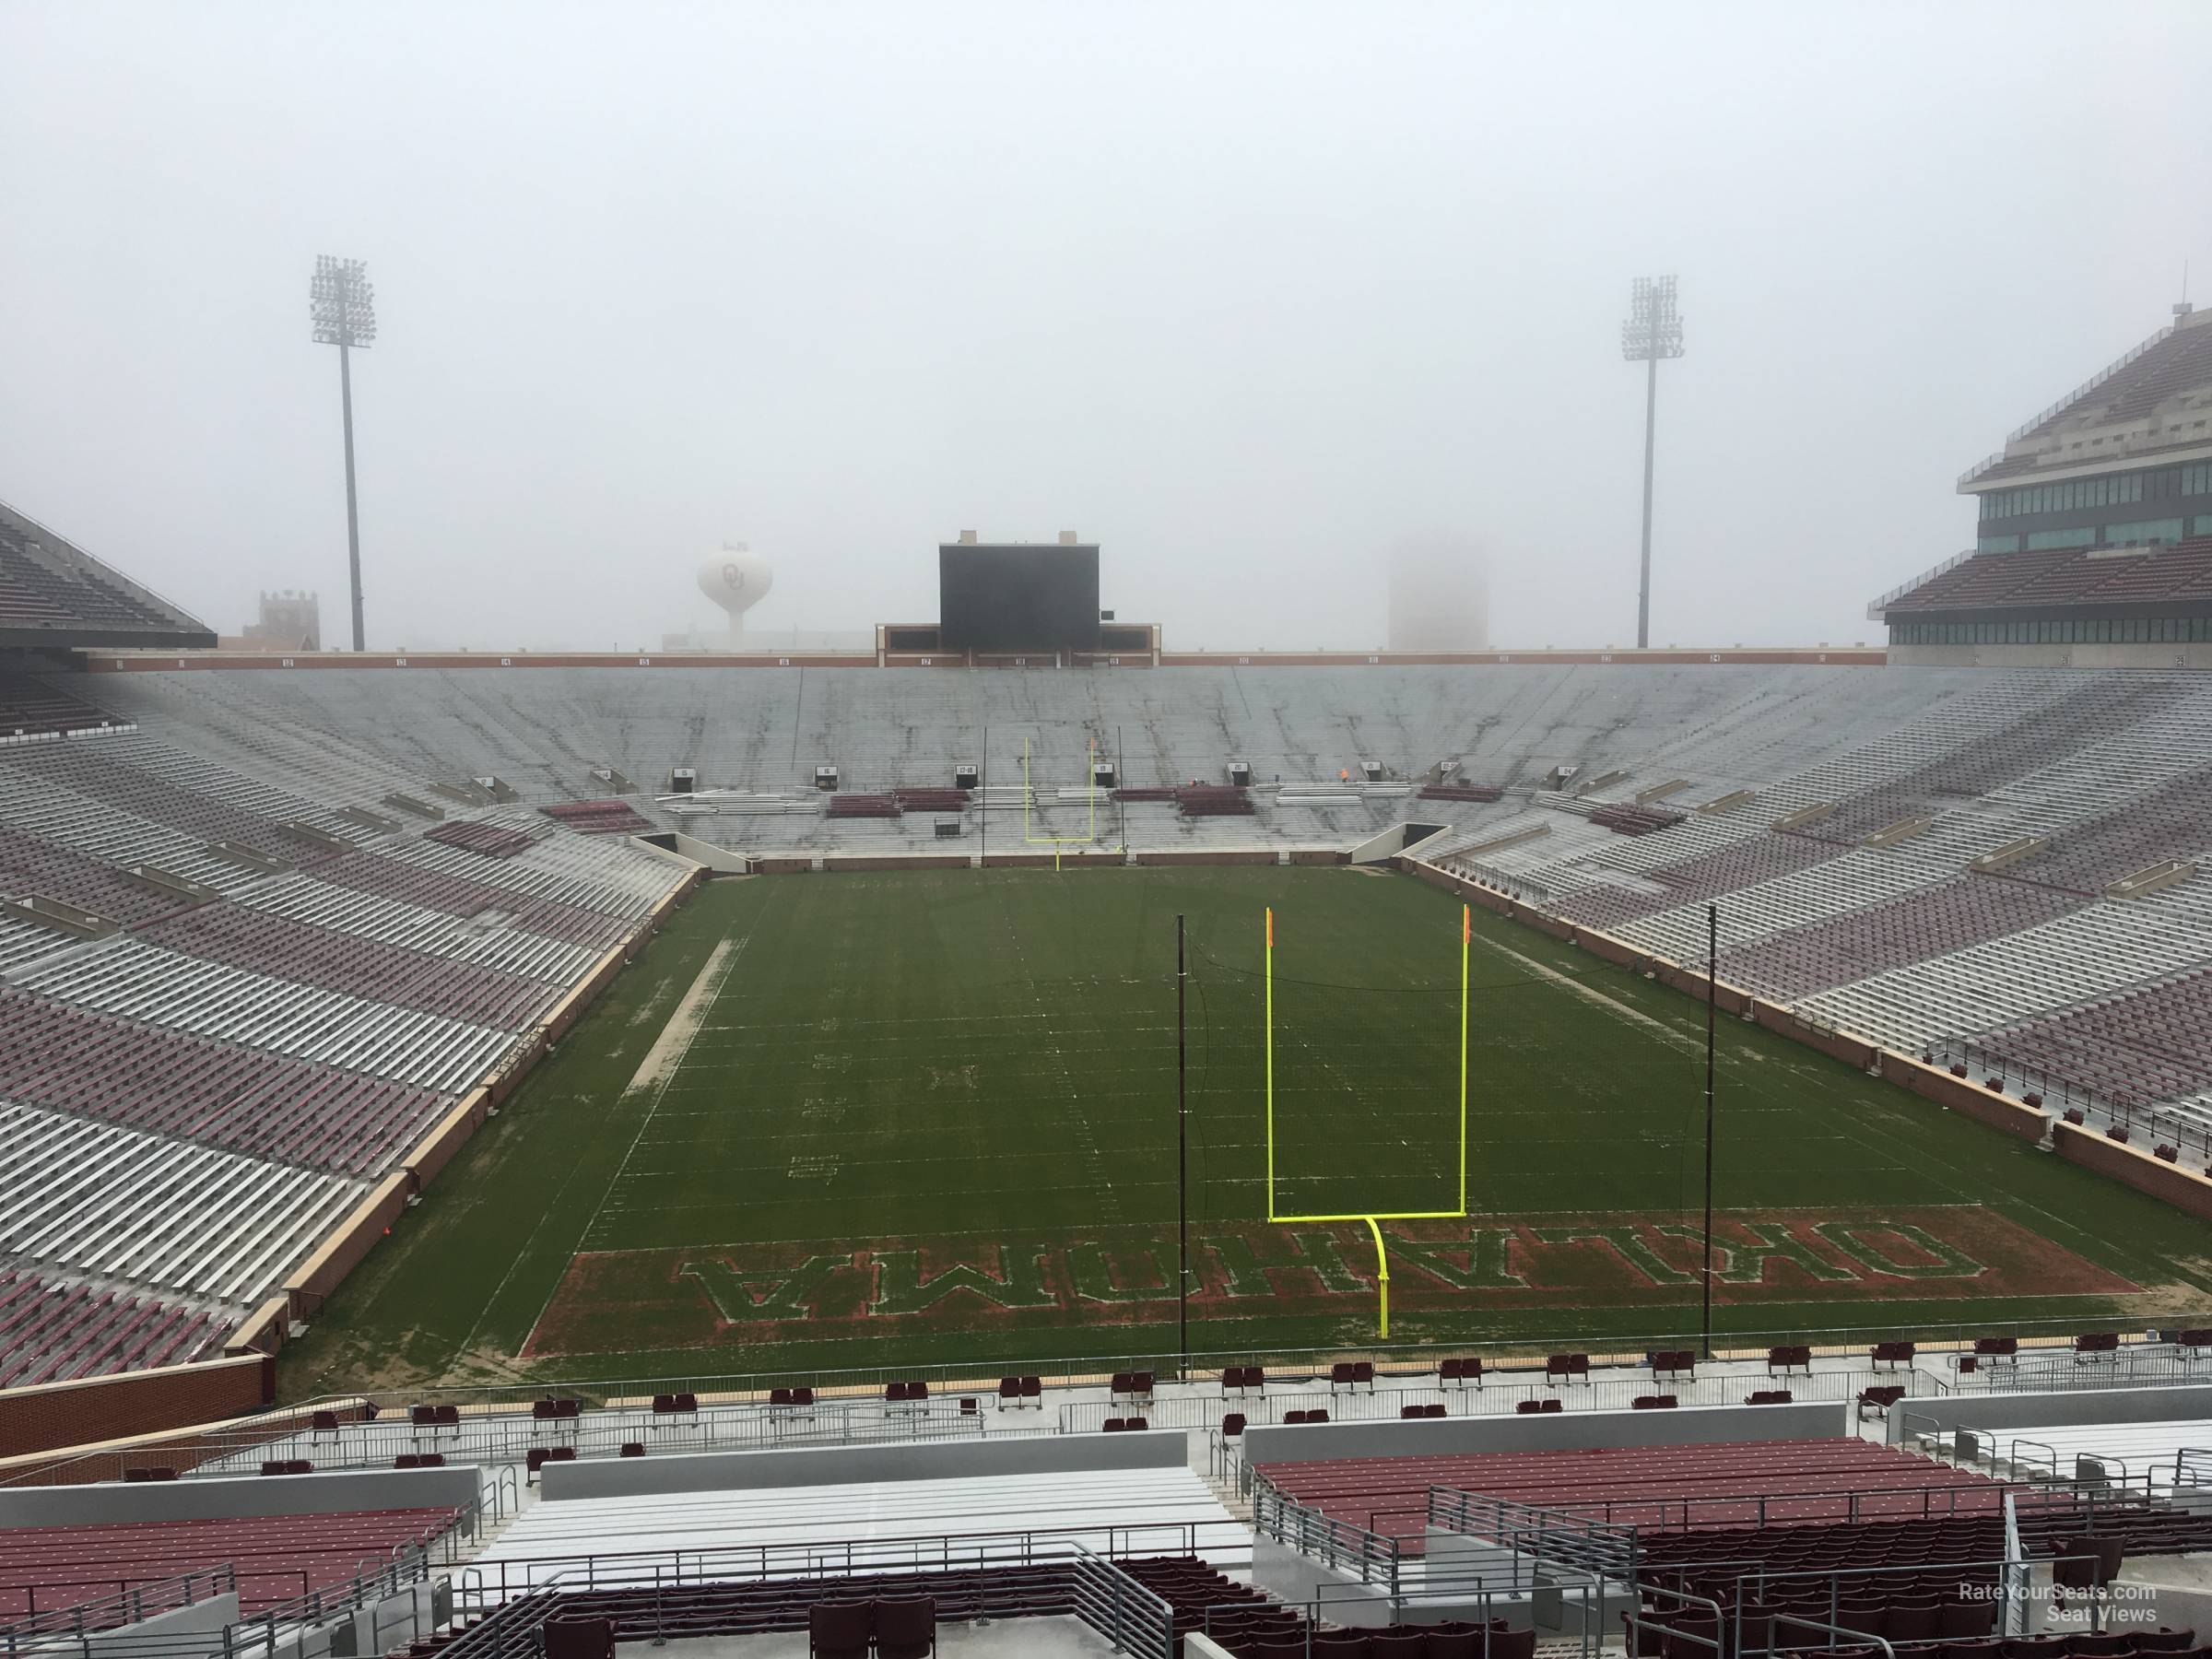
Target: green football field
[859, 1121]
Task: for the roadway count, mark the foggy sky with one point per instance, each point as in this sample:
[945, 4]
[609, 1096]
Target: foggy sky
[1246, 293]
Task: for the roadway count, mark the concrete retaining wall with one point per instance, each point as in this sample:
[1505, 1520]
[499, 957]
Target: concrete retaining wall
[179, 1633]
[2043, 1410]
[926, 1460]
[1984, 1106]
[904, 861]
[1568, 1431]
[338, 1492]
[1227, 855]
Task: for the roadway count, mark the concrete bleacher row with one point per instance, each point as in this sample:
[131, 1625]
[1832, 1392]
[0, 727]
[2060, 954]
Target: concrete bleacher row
[54, 1329]
[1089, 1506]
[99, 1068]
[143, 1209]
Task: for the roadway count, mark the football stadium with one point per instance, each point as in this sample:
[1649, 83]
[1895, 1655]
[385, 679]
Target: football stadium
[866, 1144]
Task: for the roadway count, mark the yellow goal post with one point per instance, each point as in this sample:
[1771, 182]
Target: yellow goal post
[1373, 1219]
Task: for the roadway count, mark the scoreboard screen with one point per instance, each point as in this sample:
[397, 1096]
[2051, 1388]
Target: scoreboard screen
[1017, 599]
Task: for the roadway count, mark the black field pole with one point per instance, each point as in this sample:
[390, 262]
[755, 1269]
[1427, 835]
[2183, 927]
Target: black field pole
[1183, 1164]
[1713, 953]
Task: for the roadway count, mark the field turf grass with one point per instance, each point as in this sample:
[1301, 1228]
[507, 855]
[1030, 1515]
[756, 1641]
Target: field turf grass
[911, 1119]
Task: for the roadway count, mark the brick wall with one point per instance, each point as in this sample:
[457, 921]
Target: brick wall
[100, 1408]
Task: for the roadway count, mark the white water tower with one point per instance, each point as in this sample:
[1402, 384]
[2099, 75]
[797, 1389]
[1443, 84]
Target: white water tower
[736, 579]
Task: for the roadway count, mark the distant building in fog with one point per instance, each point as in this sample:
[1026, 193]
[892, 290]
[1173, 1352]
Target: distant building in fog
[1439, 595]
[288, 621]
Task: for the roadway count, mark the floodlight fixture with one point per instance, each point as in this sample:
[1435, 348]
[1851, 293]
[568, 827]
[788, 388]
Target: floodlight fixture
[1652, 331]
[341, 308]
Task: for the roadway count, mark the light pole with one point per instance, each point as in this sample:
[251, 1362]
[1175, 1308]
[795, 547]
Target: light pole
[1652, 331]
[342, 306]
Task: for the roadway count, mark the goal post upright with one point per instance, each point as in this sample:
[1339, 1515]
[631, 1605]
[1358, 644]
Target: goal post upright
[1057, 842]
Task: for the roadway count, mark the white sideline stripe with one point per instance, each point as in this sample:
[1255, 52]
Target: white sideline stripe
[666, 1057]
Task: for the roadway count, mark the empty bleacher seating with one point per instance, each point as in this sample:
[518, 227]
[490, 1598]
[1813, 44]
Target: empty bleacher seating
[276, 1559]
[52, 1330]
[1649, 1488]
[37, 707]
[493, 841]
[598, 817]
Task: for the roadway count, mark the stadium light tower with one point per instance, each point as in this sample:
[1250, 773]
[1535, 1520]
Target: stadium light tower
[1652, 331]
[342, 306]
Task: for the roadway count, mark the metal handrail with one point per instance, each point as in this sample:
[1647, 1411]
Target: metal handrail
[1875, 607]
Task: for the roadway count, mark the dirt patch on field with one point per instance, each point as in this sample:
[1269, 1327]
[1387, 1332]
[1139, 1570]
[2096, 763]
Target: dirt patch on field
[704, 1296]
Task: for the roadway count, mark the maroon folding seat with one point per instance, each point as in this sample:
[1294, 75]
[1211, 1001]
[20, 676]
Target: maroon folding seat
[1009, 1388]
[800, 1396]
[840, 1630]
[1115, 1425]
[2163, 1640]
[1965, 1619]
[1232, 1425]
[1516, 1644]
[1453, 1640]
[633, 1448]
[1912, 1620]
[1398, 1645]
[1341, 1644]
[906, 1626]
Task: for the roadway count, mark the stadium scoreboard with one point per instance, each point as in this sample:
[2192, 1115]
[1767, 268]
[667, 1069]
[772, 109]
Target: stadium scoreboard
[1019, 597]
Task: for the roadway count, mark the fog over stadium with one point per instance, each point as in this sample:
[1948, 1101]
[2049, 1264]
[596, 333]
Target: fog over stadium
[1248, 294]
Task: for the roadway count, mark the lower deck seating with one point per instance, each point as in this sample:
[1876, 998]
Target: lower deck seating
[277, 1557]
[1649, 1488]
[220, 1094]
[52, 1330]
